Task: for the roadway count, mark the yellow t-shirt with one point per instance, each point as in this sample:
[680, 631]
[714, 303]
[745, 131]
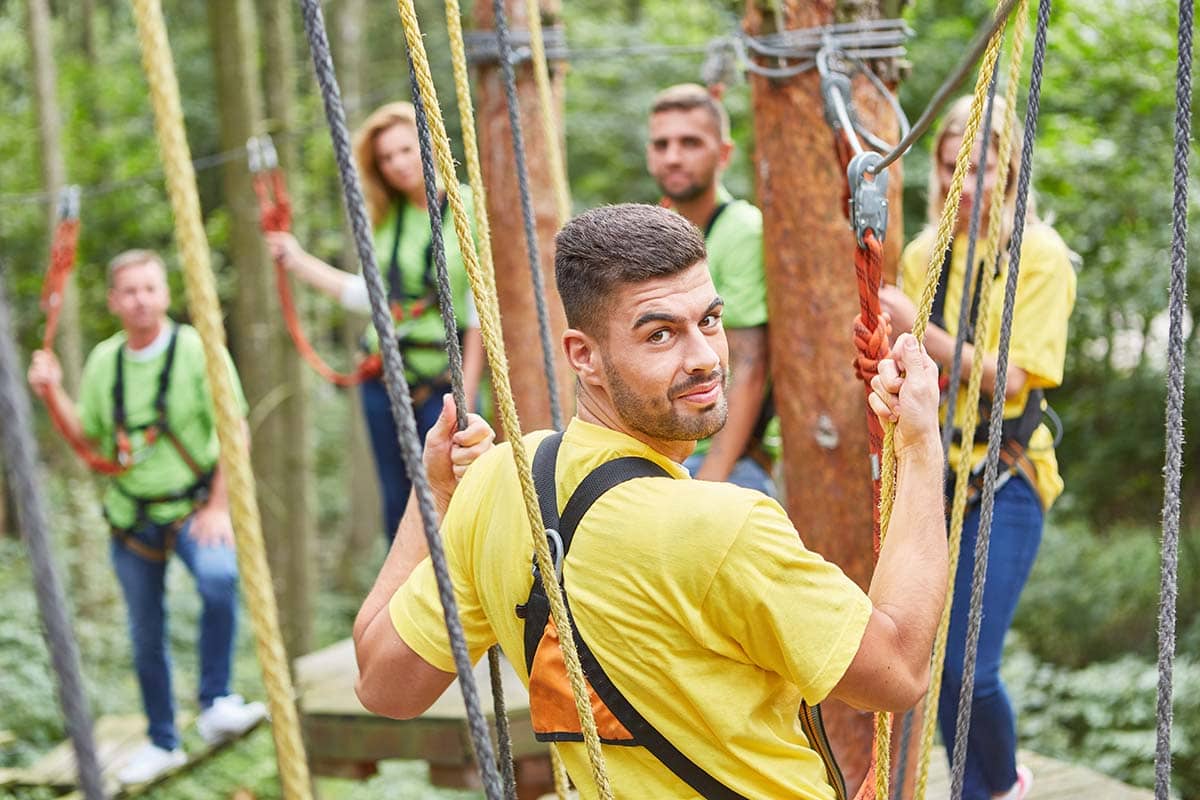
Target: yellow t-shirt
[698, 598]
[1045, 298]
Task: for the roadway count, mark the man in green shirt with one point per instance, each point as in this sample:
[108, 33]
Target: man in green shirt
[145, 402]
[688, 148]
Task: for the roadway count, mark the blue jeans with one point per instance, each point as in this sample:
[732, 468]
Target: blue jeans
[992, 741]
[746, 472]
[143, 582]
[394, 484]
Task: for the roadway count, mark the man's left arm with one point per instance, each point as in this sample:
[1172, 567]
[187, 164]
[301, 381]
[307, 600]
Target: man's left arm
[748, 365]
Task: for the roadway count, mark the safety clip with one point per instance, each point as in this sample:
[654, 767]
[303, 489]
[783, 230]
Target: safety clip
[260, 153]
[68, 202]
[868, 196]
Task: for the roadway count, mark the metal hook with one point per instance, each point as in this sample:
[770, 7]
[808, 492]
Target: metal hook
[868, 197]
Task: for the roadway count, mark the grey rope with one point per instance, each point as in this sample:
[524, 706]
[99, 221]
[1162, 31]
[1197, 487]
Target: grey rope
[450, 327]
[1176, 348]
[397, 389]
[20, 456]
[949, 86]
[996, 423]
[531, 242]
[960, 336]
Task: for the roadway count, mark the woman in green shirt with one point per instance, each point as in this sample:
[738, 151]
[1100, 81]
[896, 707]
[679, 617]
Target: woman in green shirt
[389, 163]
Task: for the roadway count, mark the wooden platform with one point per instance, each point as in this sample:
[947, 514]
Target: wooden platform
[117, 737]
[345, 740]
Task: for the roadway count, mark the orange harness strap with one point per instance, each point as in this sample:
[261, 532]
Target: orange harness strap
[275, 215]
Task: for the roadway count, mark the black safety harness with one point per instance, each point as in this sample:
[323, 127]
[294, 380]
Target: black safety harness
[1015, 431]
[157, 429]
[560, 530]
[410, 305]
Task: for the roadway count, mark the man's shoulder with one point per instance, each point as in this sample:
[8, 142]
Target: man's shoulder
[102, 359]
[739, 219]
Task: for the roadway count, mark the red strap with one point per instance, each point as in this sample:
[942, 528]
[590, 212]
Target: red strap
[275, 216]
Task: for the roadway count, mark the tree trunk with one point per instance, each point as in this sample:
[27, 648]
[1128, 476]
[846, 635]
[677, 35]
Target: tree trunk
[252, 333]
[297, 546]
[812, 300]
[514, 283]
[87, 29]
[364, 522]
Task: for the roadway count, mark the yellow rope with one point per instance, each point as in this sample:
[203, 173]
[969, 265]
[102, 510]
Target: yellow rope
[541, 76]
[971, 400]
[235, 460]
[924, 308]
[487, 273]
[489, 319]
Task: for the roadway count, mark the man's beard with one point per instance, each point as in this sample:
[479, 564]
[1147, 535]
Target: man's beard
[685, 195]
[658, 417]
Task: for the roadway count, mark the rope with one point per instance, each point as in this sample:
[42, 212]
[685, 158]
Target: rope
[20, 456]
[527, 214]
[995, 429]
[275, 215]
[454, 352]
[235, 462]
[1176, 350]
[466, 113]
[541, 76]
[63, 246]
[397, 388]
[483, 287]
[971, 409]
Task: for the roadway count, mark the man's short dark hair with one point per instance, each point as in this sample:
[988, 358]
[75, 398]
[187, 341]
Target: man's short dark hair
[606, 247]
[685, 97]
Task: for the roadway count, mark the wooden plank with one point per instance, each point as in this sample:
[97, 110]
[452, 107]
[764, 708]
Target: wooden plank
[117, 738]
[1052, 780]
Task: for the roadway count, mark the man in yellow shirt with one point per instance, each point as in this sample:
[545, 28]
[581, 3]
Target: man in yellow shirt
[698, 600]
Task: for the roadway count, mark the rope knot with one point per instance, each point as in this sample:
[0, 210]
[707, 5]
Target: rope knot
[873, 344]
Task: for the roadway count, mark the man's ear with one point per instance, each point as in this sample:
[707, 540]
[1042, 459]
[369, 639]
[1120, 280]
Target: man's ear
[112, 301]
[726, 154]
[583, 355]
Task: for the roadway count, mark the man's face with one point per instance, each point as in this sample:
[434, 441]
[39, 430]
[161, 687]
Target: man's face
[665, 358]
[685, 154]
[139, 297]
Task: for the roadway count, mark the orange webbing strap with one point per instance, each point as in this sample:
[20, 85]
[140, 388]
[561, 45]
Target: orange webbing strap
[62, 261]
[275, 215]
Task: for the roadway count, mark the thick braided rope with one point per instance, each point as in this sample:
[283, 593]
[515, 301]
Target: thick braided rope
[21, 459]
[995, 430]
[1175, 389]
[466, 113]
[541, 76]
[489, 318]
[399, 397]
[942, 241]
[527, 215]
[450, 330]
[235, 459]
[971, 400]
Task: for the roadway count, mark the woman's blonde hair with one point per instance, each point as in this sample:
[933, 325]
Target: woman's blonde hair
[954, 124]
[379, 195]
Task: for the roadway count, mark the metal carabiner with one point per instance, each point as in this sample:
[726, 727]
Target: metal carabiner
[69, 202]
[835, 92]
[868, 197]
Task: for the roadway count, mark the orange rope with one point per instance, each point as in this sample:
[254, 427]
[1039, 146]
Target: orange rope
[62, 261]
[275, 215]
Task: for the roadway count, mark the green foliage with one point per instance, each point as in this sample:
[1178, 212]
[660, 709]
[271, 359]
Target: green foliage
[1093, 596]
[1104, 716]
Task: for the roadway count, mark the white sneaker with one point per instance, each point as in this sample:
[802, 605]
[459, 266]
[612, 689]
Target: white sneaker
[149, 762]
[1020, 789]
[228, 717]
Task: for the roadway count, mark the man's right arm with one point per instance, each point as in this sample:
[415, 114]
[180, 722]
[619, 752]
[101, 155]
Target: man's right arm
[890, 671]
[45, 378]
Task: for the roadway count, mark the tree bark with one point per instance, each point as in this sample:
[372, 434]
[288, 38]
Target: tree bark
[514, 283]
[812, 300]
[298, 545]
[364, 523]
[252, 333]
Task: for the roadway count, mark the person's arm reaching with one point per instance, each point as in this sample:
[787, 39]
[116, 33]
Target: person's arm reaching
[381, 653]
[45, 379]
[316, 273]
[748, 365]
[890, 672]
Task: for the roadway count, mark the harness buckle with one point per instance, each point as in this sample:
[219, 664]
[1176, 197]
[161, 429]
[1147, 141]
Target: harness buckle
[868, 196]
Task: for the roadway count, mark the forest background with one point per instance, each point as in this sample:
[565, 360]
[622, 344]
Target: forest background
[1082, 657]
